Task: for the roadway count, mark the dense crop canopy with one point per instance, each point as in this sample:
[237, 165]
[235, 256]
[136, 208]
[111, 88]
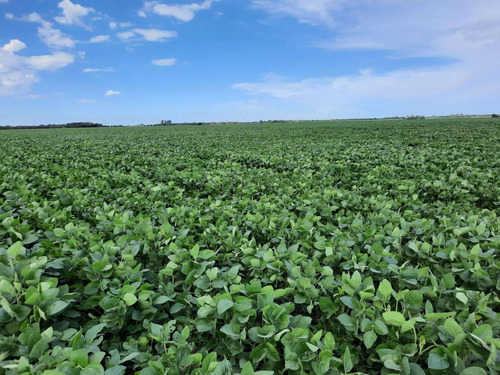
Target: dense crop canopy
[314, 248]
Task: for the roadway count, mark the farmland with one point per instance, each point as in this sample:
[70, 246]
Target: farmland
[306, 248]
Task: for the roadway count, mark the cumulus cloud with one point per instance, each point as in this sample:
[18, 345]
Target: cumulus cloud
[18, 73]
[466, 33]
[182, 12]
[112, 93]
[50, 62]
[165, 62]
[15, 45]
[150, 35]
[99, 39]
[73, 14]
[98, 70]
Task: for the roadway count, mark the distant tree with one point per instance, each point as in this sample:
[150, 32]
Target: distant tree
[494, 115]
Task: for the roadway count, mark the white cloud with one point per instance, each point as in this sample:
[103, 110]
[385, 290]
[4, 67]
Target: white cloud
[312, 11]
[50, 62]
[112, 93]
[466, 33]
[15, 45]
[52, 37]
[86, 100]
[18, 73]
[150, 35]
[99, 39]
[98, 70]
[72, 14]
[182, 12]
[165, 62]
[114, 25]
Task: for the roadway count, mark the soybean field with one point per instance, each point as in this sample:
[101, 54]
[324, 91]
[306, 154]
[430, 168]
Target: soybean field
[341, 247]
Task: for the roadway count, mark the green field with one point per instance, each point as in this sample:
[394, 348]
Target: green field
[307, 248]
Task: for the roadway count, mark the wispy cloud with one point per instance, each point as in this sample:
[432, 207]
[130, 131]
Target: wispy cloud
[466, 33]
[114, 25]
[315, 12]
[182, 12]
[150, 35]
[165, 62]
[98, 70]
[99, 39]
[112, 93]
[48, 34]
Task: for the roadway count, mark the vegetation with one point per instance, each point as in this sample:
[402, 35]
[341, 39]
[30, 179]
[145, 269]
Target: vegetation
[54, 126]
[308, 248]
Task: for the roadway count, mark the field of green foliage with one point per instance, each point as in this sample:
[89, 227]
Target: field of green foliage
[367, 247]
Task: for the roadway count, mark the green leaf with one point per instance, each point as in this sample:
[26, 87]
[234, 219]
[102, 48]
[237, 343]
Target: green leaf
[195, 251]
[15, 249]
[329, 341]
[369, 339]
[385, 289]
[347, 361]
[223, 368]
[224, 305]
[93, 368]
[129, 299]
[395, 318]
[437, 362]
[452, 327]
[93, 332]
[79, 357]
[247, 369]
[413, 299]
[474, 371]
[115, 370]
[56, 308]
[58, 232]
[185, 333]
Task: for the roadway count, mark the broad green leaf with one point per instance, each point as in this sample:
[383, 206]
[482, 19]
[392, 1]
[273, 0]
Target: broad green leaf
[15, 249]
[224, 305]
[93, 369]
[394, 318]
[369, 339]
[452, 327]
[56, 308]
[129, 299]
[473, 371]
[437, 362]
[247, 369]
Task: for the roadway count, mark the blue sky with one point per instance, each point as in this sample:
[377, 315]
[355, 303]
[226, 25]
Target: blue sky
[131, 61]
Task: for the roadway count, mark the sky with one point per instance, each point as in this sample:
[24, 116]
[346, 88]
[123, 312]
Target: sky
[132, 61]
